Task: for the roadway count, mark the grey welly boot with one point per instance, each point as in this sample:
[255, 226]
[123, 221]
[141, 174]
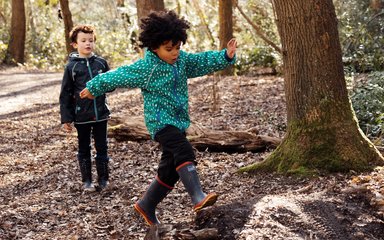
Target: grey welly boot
[102, 172]
[86, 173]
[146, 206]
[190, 179]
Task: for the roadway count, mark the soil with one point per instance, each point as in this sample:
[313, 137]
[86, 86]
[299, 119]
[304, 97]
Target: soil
[41, 194]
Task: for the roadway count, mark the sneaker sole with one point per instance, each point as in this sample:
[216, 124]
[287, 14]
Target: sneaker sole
[209, 200]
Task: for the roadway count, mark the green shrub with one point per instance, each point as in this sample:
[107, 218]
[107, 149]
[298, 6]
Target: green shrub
[368, 102]
[258, 57]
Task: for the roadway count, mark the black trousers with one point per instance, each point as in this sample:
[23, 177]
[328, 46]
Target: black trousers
[99, 133]
[176, 150]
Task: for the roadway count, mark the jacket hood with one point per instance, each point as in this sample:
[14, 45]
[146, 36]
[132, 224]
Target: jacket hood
[152, 57]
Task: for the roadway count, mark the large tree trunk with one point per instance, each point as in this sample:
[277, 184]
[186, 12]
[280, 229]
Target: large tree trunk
[68, 24]
[322, 132]
[225, 28]
[15, 51]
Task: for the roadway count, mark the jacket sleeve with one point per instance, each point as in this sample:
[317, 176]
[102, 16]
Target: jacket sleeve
[203, 63]
[128, 76]
[106, 70]
[67, 98]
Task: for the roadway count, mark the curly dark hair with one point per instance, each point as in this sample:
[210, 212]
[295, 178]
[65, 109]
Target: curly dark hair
[81, 28]
[159, 27]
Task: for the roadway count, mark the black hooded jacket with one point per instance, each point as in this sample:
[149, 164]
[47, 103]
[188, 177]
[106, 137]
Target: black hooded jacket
[78, 72]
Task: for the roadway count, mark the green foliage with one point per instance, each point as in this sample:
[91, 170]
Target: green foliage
[361, 31]
[258, 57]
[368, 102]
[3, 49]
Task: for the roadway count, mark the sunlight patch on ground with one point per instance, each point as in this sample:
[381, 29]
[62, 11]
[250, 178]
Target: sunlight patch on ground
[266, 220]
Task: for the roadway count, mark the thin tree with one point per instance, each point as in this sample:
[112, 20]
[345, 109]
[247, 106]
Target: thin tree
[120, 3]
[203, 18]
[257, 29]
[66, 15]
[322, 130]
[16, 47]
[225, 28]
[144, 7]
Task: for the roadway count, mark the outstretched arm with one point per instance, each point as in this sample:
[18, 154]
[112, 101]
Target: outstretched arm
[231, 48]
[128, 76]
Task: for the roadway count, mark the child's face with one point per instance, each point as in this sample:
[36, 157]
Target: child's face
[168, 52]
[84, 44]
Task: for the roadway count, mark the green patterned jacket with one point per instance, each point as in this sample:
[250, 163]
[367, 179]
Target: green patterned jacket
[163, 86]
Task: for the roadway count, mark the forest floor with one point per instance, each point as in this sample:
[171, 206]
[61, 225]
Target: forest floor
[41, 195]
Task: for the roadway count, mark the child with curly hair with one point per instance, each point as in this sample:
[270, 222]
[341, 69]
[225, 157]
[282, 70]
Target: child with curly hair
[162, 77]
[89, 116]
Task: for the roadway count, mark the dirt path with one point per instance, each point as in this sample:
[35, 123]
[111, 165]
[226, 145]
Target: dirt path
[24, 90]
[41, 196]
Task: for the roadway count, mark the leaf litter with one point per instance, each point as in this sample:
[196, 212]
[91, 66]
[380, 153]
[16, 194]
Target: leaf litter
[41, 195]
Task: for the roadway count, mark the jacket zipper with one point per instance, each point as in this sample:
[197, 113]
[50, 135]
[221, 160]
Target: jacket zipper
[94, 100]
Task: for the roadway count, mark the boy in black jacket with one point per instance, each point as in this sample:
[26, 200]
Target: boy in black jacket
[89, 116]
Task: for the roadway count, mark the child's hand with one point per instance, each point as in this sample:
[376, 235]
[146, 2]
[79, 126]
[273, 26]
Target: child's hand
[68, 127]
[231, 48]
[86, 94]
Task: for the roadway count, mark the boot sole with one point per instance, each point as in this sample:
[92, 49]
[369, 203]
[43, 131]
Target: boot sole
[209, 200]
[141, 213]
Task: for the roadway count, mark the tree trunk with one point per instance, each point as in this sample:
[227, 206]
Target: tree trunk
[376, 5]
[120, 3]
[68, 24]
[144, 7]
[322, 130]
[225, 29]
[15, 51]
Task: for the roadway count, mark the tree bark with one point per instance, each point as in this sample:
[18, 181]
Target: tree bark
[225, 29]
[16, 47]
[322, 130]
[129, 128]
[68, 24]
[120, 3]
[144, 7]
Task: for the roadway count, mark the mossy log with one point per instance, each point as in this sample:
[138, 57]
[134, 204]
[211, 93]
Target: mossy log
[131, 128]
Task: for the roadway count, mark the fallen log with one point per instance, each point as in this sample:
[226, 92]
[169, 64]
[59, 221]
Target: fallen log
[132, 128]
